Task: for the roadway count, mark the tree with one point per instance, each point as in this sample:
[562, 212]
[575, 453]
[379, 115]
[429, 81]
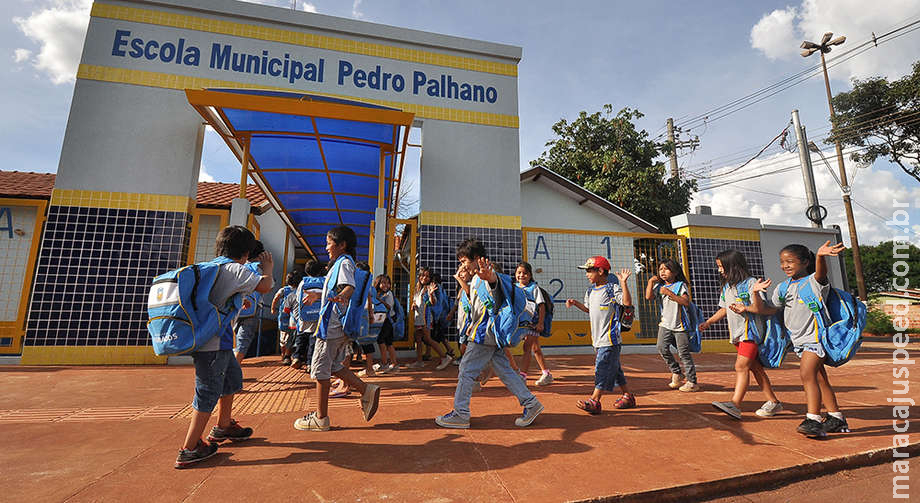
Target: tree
[883, 118]
[608, 156]
[878, 263]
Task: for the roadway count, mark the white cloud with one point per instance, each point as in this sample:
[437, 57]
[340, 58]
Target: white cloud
[775, 34]
[308, 7]
[59, 28]
[356, 10]
[784, 202]
[779, 33]
[20, 55]
[203, 175]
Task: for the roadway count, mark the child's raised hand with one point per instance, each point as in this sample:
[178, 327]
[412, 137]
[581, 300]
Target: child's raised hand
[761, 285]
[485, 270]
[737, 307]
[623, 274]
[828, 249]
[569, 303]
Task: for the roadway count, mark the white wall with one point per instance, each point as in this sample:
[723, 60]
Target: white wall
[542, 206]
[774, 237]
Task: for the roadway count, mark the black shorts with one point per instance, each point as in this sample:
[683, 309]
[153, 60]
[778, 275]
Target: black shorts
[386, 333]
[438, 331]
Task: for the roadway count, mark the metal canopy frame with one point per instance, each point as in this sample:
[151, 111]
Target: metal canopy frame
[213, 105]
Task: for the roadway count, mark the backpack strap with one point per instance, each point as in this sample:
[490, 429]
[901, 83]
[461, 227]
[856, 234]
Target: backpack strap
[743, 293]
[815, 304]
[783, 289]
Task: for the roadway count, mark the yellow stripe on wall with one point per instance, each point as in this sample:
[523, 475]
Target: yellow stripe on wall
[719, 233]
[299, 38]
[90, 355]
[469, 220]
[182, 82]
[121, 200]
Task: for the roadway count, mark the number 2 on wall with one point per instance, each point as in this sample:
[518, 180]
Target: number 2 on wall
[556, 299]
[606, 241]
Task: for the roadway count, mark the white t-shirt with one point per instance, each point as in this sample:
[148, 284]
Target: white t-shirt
[670, 310]
[345, 278]
[601, 302]
[798, 318]
[737, 323]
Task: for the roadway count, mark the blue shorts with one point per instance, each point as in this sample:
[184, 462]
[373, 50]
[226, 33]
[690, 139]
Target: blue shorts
[217, 374]
[608, 373]
[247, 330]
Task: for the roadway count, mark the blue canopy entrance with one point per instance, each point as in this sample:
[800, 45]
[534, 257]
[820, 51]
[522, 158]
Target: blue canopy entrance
[320, 161]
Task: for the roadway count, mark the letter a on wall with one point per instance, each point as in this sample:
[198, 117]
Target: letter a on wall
[9, 221]
[536, 249]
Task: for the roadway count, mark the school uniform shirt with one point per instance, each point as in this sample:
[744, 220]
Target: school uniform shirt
[798, 318]
[292, 307]
[233, 278]
[737, 325]
[670, 309]
[478, 310]
[420, 307]
[462, 315]
[389, 301]
[601, 302]
[345, 278]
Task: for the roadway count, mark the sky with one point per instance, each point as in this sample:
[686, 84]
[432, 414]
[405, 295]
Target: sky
[665, 59]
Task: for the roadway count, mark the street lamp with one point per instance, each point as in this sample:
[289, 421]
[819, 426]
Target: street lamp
[810, 48]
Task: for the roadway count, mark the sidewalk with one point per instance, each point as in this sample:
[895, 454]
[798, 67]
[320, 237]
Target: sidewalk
[111, 434]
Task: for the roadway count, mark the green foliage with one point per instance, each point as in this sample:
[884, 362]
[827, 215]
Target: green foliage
[608, 156]
[877, 264]
[878, 323]
[883, 118]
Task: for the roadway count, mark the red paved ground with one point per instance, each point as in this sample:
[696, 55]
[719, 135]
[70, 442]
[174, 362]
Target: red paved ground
[111, 434]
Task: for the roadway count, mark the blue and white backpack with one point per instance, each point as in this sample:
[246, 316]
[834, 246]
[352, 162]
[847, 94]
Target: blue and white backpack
[466, 306]
[255, 298]
[309, 313]
[399, 321]
[690, 317]
[506, 319]
[181, 317]
[774, 342]
[847, 314]
[284, 317]
[548, 307]
[355, 314]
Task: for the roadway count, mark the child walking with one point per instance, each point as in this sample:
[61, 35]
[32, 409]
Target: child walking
[671, 285]
[602, 303]
[524, 276]
[247, 325]
[384, 300]
[331, 343]
[306, 317]
[420, 304]
[801, 266]
[736, 279]
[483, 346]
[285, 333]
[217, 372]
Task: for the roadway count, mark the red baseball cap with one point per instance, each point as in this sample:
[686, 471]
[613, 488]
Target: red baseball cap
[597, 262]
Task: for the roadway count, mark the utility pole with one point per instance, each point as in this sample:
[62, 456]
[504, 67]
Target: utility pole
[813, 213]
[825, 47]
[691, 144]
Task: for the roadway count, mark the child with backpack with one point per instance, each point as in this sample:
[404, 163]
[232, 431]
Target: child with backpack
[487, 339]
[671, 285]
[463, 308]
[743, 328]
[247, 324]
[421, 306]
[537, 327]
[603, 303]
[285, 334]
[807, 272]
[439, 309]
[218, 375]
[385, 303]
[306, 317]
[342, 306]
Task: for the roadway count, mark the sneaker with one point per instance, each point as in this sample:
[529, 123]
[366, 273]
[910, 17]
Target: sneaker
[833, 425]
[393, 368]
[728, 408]
[769, 409]
[234, 432]
[529, 415]
[444, 363]
[311, 423]
[689, 387]
[201, 452]
[452, 420]
[627, 401]
[370, 399]
[365, 373]
[377, 367]
[591, 406]
[811, 428]
[676, 381]
[416, 365]
[286, 361]
[545, 379]
[297, 363]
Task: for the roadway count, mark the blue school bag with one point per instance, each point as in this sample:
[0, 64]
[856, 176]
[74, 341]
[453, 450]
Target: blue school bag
[379, 315]
[690, 317]
[506, 319]
[843, 337]
[181, 317]
[467, 308]
[255, 297]
[399, 321]
[355, 314]
[284, 319]
[530, 290]
[309, 313]
[774, 343]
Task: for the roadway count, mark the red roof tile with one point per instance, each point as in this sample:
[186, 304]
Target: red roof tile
[39, 186]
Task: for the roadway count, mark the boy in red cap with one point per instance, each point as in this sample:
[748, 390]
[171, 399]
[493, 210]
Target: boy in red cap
[603, 303]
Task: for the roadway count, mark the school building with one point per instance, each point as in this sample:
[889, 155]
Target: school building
[318, 110]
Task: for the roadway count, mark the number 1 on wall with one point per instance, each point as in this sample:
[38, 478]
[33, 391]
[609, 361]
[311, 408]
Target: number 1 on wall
[606, 240]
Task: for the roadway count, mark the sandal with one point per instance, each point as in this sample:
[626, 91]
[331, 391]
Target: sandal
[591, 406]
